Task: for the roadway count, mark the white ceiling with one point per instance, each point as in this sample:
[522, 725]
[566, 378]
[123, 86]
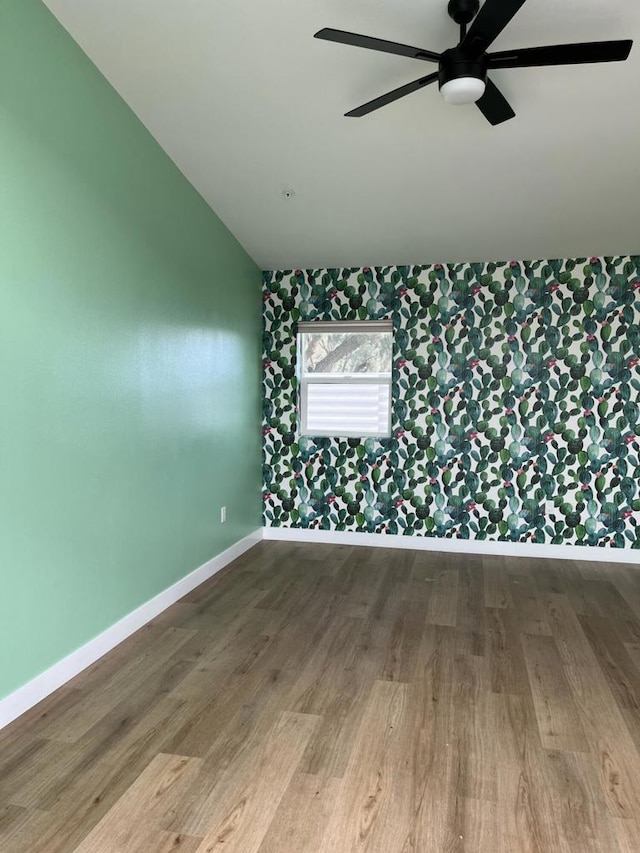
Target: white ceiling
[247, 103]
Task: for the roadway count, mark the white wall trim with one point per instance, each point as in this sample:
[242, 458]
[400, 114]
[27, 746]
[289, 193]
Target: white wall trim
[456, 546]
[42, 685]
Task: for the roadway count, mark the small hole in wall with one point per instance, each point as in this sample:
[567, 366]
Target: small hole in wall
[288, 194]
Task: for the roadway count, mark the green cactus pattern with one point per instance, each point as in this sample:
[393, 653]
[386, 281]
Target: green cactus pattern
[516, 403]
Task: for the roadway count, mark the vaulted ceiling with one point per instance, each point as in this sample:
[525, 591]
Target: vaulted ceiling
[247, 103]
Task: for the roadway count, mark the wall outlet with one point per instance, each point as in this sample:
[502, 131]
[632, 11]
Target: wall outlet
[223, 514]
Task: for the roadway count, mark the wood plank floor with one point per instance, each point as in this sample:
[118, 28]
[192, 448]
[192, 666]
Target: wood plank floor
[328, 699]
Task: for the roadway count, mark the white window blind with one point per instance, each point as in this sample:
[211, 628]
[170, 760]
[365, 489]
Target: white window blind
[345, 378]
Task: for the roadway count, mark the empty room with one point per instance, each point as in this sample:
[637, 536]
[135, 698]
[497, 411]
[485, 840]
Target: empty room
[320, 426]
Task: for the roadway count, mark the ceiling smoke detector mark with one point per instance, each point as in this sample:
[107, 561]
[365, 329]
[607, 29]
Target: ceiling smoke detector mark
[288, 194]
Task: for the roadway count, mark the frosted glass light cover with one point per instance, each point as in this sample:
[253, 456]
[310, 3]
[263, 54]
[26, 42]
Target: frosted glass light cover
[462, 90]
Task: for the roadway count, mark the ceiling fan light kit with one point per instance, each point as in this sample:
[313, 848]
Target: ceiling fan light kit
[462, 70]
[463, 90]
[461, 80]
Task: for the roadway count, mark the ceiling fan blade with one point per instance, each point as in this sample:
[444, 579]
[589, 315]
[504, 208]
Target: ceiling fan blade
[356, 40]
[490, 21]
[383, 100]
[562, 54]
[494, 106]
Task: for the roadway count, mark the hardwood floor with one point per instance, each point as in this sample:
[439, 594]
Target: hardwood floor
[328, 699]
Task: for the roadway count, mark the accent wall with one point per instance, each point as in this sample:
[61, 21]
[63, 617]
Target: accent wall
[516, 392]
[129, 358]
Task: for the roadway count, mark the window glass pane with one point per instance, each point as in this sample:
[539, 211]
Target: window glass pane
[350, 353]
[348, 409]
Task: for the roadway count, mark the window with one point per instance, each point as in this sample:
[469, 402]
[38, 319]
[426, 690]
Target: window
[345, 378]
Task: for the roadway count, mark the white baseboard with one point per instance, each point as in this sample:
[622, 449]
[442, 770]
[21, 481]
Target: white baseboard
[456, 546]
[42, 685]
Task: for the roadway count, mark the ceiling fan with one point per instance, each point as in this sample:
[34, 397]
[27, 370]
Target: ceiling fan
[462, 70]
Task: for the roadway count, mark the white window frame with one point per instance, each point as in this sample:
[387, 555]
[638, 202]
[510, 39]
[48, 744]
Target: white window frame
[341, 327]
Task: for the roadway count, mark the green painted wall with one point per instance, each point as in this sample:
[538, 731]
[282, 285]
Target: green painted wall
[129, 358]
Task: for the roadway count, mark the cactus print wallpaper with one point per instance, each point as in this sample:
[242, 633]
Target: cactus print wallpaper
[516, 392]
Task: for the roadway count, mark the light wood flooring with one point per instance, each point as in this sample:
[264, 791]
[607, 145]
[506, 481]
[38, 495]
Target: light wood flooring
[328, 699]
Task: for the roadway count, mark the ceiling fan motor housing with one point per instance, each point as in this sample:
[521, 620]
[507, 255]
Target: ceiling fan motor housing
[454, 64]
